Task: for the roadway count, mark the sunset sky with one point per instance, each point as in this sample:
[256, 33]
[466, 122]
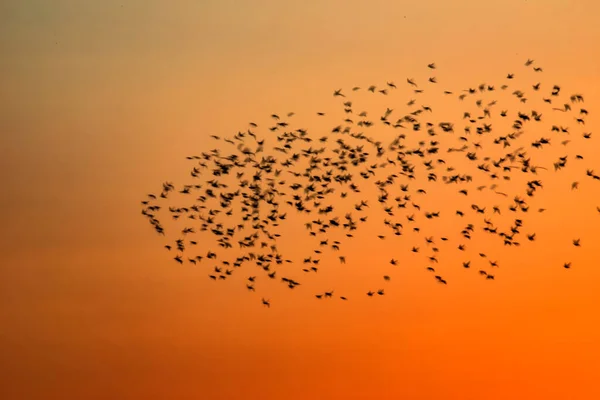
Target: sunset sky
[101, 101]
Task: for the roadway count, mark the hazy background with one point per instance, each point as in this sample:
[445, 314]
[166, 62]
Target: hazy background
[100, 102]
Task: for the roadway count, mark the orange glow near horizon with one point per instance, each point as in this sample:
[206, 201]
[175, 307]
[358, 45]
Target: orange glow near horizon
[101, 101]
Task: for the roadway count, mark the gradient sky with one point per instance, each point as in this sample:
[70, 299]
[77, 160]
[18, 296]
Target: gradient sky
[100, 102]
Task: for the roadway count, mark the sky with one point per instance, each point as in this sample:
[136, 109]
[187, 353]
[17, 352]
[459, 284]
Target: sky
[101, 101]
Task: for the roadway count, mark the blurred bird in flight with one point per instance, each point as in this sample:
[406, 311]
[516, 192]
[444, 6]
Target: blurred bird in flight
[244, 190]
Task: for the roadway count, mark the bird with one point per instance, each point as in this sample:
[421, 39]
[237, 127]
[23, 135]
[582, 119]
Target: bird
[382, 173]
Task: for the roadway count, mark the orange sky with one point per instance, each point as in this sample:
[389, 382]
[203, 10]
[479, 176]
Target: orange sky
[100, 102]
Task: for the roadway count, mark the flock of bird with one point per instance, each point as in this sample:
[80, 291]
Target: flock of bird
[245, 191]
